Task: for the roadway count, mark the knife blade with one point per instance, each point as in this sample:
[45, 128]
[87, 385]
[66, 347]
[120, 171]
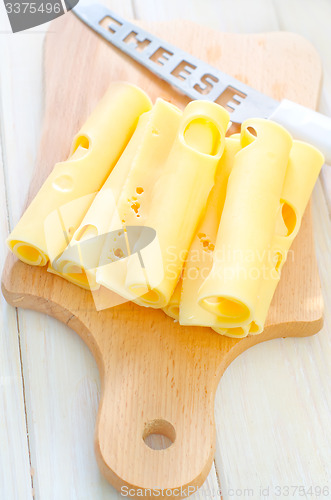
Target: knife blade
[199, 80]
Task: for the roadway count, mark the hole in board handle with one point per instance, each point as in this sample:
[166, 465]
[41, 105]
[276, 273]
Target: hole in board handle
[159, 434]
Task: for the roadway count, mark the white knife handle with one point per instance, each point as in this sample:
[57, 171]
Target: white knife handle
[305, 125]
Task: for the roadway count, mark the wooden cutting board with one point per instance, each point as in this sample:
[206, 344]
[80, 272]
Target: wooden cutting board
[157, 376]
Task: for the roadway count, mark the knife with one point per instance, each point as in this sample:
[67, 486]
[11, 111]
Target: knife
[199, 80]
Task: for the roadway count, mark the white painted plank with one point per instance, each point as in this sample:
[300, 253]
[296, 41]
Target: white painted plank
[62, 393]
[325, 107]
[210, 489]
[20, 75]
[121, 7]
[312, 20]
[273, 405]
[326, 183]
[15, 480]
[237, 16]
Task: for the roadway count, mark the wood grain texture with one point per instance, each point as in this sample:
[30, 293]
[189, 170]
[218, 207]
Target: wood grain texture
[181, 352]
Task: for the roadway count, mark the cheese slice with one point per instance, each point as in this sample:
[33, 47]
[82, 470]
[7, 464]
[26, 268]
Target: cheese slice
[179, 197]
[172, 308]
[305, 163]
[301, 173]
[238, 332]
[231, 290]
[79, 261]
[45, 229]
[154, 137]
[200, 257]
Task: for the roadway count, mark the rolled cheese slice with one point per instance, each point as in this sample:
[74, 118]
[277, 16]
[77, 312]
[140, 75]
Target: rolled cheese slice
[238, 332]
[154, 137]
[303, 168]
[79, 261]
[172, 308]
[178, 199]
[231, 290]
[200, 257]
[51, 219]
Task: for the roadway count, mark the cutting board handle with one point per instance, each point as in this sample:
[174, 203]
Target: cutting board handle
[154, 384]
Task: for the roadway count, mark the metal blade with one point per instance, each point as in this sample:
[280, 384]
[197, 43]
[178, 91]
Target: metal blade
[188, 74]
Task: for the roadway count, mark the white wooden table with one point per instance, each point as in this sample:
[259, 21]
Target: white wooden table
[273, 403]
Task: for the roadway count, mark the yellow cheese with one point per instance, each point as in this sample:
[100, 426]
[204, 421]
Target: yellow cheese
[231, 290]
[79, 261]
[304, 165]
[200, 257]
[77, 277]
[179, 197]
[154, 136]
[49, 222]
[301, 173]
[238, 332]
[172, 308]
[159, 207]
